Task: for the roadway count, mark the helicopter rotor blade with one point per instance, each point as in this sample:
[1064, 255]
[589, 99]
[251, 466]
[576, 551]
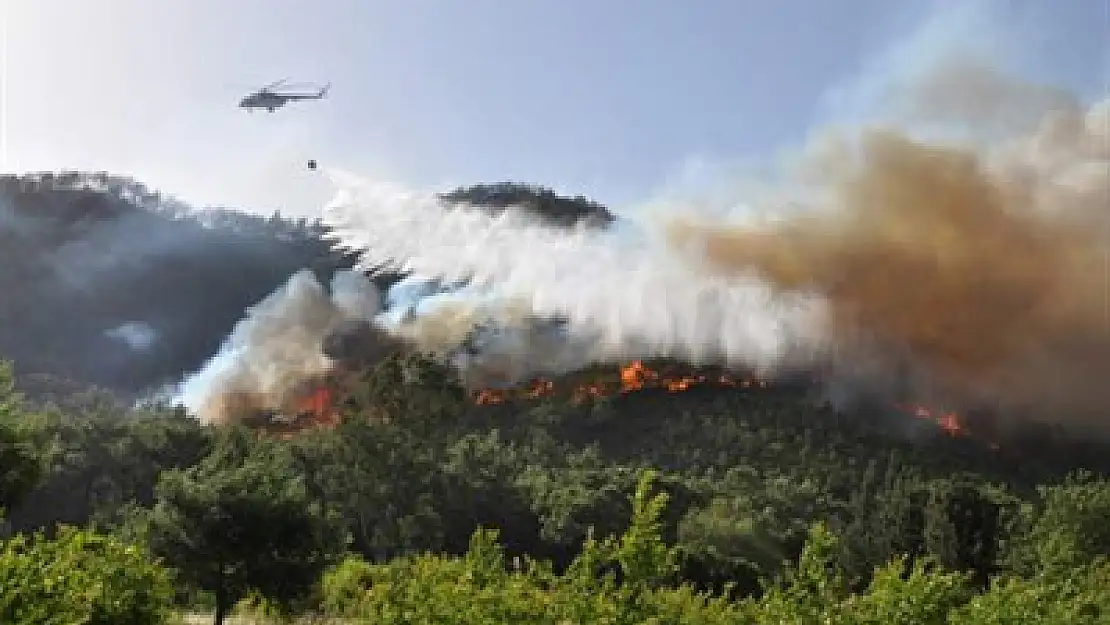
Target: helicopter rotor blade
[275, 84]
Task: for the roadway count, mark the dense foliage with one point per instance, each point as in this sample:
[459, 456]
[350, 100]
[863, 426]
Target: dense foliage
[709, 506]
[81, 577]
[20, 466]
[241, 520]
[483, 587]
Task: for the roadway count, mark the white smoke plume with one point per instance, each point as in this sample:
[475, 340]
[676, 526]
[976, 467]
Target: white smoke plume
[624, 295]
[280, 345]
[491, 341]
[276, 347]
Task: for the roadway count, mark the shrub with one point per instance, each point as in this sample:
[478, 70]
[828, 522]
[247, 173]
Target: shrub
[343, 586]
[81, 578]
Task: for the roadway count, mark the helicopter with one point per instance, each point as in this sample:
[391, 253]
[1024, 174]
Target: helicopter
[271, 99]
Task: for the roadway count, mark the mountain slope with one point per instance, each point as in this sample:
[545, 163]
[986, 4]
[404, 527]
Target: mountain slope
[110, 284]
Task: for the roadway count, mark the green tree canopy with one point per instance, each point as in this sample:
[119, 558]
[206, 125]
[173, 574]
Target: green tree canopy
[81, 577]
[240, 521]
[20, 465]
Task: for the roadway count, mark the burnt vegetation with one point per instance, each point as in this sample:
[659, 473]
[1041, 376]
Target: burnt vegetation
[421, 499]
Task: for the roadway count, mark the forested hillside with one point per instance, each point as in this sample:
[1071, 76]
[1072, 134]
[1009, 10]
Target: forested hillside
[112, 284]
[418, 466]
[420, 501]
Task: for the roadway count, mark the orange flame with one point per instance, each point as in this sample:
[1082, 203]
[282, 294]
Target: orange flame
[632, 377]
[488, 396]
[314, 409]
[949, 422]
[316, 403]
[317, 408]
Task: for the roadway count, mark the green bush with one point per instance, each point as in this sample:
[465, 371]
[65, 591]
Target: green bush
[344, 585]
[81, 578]
[1081, 596]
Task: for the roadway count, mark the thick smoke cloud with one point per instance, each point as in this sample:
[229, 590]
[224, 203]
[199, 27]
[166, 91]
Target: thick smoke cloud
[973, 270]
[276, 348]
[985, 267]
[303, 331]
[621, 293]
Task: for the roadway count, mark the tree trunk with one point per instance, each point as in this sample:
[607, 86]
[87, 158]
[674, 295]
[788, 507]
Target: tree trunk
[221, 607]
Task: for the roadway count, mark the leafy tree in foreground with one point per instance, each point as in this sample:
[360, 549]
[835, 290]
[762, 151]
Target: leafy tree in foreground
[241, 521]
[1073, 526]
[81, 577]
[1079, 596]
[484, 587]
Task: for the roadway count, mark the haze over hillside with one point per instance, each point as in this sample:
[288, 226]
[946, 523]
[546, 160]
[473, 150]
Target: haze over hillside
[108, 282]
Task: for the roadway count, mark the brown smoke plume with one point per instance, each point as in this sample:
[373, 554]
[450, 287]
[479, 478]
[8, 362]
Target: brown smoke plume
[987, 267]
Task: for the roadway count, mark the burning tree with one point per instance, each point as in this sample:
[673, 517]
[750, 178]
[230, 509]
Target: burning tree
[631, 377]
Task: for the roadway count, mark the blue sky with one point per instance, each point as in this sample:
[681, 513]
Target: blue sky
[610, 98]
